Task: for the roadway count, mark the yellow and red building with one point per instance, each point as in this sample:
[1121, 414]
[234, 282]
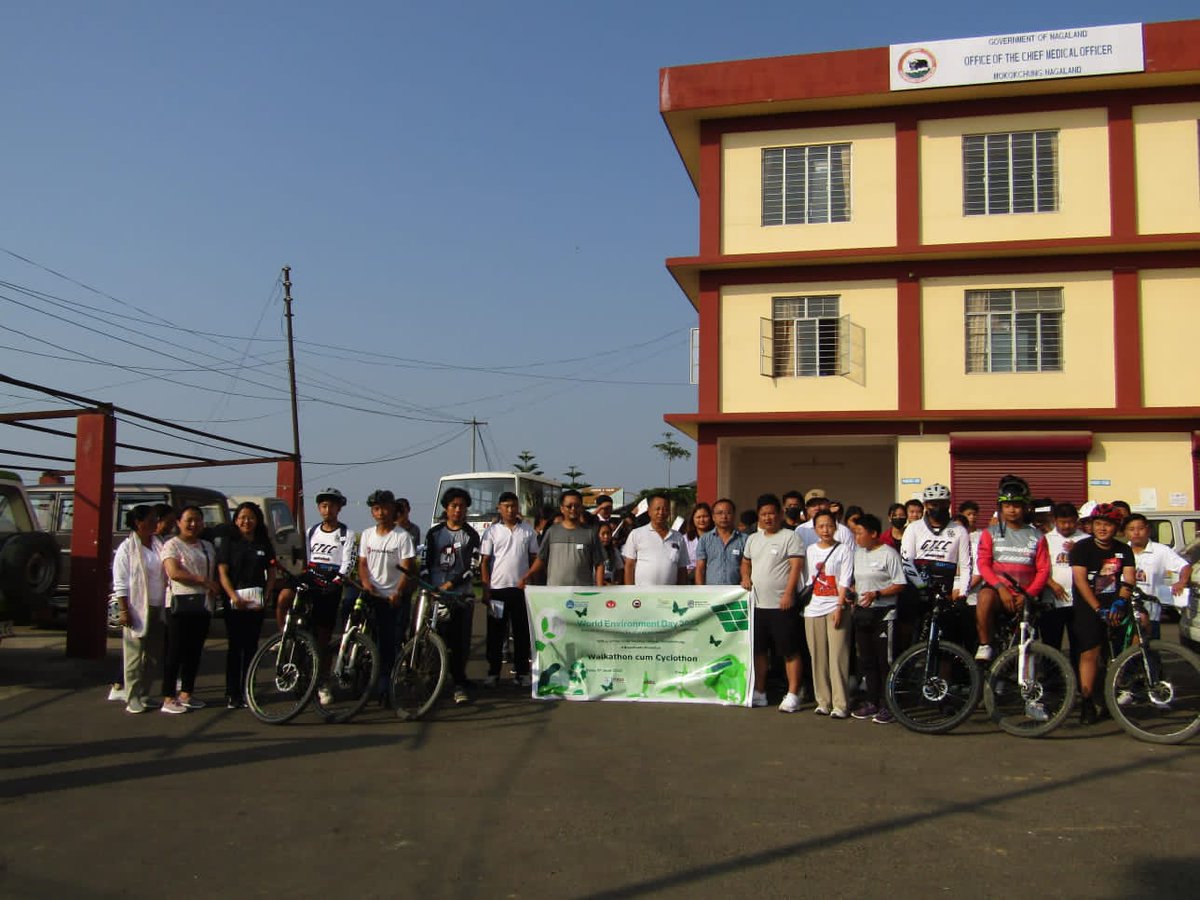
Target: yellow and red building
[897, 287]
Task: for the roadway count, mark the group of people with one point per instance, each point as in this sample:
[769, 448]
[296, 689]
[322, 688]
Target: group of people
[829, 583]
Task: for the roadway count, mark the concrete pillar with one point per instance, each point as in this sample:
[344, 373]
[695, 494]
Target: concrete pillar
[91, 534]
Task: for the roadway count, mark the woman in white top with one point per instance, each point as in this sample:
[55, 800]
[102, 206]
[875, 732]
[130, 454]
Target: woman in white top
[700, 521]
[191, 565]
[140, 587]
[830, 571]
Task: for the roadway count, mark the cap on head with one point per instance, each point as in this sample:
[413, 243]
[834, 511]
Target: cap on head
[1109, 512]
[815, 494]
[381, 497]
[333, 495]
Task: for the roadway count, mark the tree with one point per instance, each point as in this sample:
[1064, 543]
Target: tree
[671, 450]
[573, 476]
[527, 463]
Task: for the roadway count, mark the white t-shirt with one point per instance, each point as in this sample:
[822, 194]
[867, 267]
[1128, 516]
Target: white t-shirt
[384, 553]
[973, 595]
[657, 560]
[1059, 548]
[875, 570]
[828, 569]
[1155, 565]
[921, 544]
[331, 548]
[510, 550]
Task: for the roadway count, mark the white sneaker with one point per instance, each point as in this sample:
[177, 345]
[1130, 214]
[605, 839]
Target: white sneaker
[324, 696]
[839, 714]
[790, 704]
[758, 698]
[821, 711]
[135, 706]
[984, 653]
[1036, 710]
[1124, 698]
[173, 707]
[117, 692]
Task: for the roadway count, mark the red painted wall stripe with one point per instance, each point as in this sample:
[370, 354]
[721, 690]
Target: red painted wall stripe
[909, 355]
[1122, 172]
[710, 189]
[708, 399]
[908, 183]
[1127, 341]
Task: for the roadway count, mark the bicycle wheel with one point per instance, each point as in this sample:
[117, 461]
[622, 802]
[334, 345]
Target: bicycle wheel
[418, 676]
[1040, 705]
[351, 680]
[282, 677]
[1155, 695]
[942, 701]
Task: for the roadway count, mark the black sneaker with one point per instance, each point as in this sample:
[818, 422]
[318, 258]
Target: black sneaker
[1087, 712]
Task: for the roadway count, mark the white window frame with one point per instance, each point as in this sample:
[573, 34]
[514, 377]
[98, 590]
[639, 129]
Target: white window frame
[798, 184]
[781, 356]
[1010, 173]
[1029, 316]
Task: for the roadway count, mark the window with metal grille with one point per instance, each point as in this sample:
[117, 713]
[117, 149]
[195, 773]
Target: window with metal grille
[1014, 330]
[806, 185]
[805, 336]
[1010, 172]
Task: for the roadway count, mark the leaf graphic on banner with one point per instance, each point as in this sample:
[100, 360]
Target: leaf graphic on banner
[539, 645]
[728, 678]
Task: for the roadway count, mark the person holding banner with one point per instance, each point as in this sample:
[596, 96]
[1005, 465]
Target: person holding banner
[772, 563]
[570, 553]
[656, 554]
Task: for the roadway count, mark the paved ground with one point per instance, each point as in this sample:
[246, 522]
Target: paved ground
[515, 798]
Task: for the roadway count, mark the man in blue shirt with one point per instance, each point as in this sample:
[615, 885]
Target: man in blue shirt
[719, 552]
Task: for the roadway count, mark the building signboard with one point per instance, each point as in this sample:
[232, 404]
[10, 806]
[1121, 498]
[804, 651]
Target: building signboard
[1023, 56]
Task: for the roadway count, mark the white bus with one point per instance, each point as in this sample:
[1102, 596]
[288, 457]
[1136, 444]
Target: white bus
[485, 488]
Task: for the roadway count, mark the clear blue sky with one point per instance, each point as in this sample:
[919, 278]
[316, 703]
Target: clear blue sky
[457, 184]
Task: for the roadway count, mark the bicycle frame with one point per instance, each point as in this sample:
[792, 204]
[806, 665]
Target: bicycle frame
[355, 623]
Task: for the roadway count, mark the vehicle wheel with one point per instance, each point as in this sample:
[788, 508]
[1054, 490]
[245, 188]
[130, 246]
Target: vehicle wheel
[418, 676]
[282, 677]
[351, 680]
[1155, 695]
[28, 573]
[945, 699]
[1041, 705]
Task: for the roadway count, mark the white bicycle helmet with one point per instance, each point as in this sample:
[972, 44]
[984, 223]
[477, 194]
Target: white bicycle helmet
[935, 491]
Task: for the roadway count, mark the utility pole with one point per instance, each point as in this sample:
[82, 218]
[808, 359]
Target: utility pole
[474, 423]
[287, 306]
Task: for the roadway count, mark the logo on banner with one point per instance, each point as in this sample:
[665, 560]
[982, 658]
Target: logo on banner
[611, 604]
[637, 603]
[917, 65]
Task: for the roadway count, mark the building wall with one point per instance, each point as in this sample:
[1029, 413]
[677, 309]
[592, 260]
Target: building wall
[1087, 336]
[1082, 171]
[1134, 463]
[1167, 154]
[926, 457]
[872, 191]
[870, 304]
[1170, 314]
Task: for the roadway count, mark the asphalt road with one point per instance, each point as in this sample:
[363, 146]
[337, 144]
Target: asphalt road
[510, 797]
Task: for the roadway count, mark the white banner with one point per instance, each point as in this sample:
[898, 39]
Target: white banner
[1024, 56]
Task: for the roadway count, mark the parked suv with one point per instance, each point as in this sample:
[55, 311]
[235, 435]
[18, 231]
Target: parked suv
[1181, 531]
[288, 543]
[28, 557]
[54, 505]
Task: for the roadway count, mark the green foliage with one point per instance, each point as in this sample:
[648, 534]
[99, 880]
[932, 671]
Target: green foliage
[527, 463]
[575, 478]
[671, 450]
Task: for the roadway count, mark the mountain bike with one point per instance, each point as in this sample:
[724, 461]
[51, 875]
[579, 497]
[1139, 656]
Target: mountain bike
[1152, 688]
[283, 674]
[934, 685]
[423, 663]
[1030, 688]
[353, 669]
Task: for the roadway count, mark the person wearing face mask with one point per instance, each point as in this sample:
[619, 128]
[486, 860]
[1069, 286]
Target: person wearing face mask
[793, 510]
[893, 531]
[936, 543]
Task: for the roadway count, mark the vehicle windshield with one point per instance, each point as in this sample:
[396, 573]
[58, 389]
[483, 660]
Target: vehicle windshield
[485, 494]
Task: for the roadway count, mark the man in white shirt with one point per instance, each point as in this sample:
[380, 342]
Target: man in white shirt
[507, 550]
[655, 554]
[1059, 542]
[813, 504]
[1161, 572]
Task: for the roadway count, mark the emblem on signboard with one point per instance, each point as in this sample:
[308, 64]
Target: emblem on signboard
[917, 65]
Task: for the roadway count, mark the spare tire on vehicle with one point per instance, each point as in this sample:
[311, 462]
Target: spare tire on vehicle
[28, 574]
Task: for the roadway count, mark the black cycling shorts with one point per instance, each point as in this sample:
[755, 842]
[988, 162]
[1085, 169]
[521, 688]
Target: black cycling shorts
[782, 629]
[325, 608]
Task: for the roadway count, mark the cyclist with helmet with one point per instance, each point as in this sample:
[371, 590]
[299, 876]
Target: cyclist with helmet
[1099, 566]
[938, 548]
[1010, 547]
[331, 557]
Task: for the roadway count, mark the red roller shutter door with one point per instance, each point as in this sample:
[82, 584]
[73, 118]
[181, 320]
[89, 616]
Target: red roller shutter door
[1055, 465]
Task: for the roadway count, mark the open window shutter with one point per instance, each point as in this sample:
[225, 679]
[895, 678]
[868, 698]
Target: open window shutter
[852, 351]
[694, 356]
[766, 348]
